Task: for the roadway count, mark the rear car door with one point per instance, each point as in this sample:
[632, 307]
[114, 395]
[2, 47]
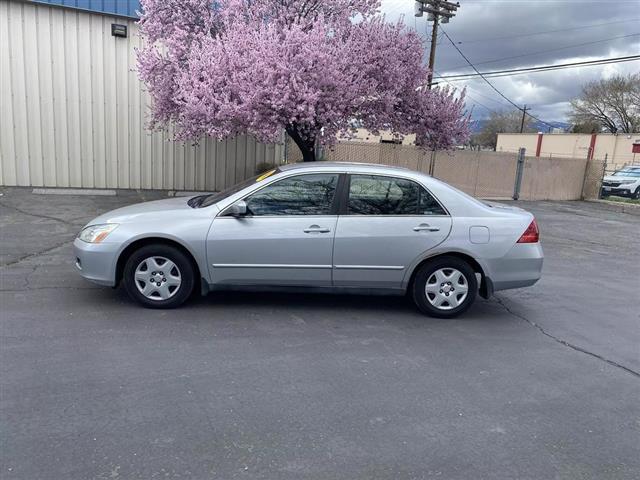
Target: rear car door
[386, 224]
[285, 239]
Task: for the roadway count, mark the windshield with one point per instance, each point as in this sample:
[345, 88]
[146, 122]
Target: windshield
[207, 200]
[631, 172]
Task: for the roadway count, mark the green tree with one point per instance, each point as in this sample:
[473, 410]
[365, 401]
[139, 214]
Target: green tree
[508, 121]
[586, 127]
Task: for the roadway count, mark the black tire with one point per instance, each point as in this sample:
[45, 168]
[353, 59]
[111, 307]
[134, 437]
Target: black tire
[185, 270]
[636, 195]
[425, 273]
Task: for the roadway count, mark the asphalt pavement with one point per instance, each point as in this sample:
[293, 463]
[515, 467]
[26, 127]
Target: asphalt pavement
[539, 383]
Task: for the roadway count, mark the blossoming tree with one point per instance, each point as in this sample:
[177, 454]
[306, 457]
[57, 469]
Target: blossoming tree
[311, 67]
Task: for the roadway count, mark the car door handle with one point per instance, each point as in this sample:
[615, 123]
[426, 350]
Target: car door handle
[316, 229]
[423, 227]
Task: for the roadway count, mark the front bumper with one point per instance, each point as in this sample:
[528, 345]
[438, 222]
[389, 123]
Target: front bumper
[520, 267]
[96, 261]
[620, 191]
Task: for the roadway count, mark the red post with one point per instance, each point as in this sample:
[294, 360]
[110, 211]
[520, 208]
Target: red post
[592, 146]
[539, 145]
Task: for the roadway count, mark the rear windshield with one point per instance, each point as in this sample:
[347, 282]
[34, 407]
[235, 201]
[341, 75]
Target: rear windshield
[207, 200]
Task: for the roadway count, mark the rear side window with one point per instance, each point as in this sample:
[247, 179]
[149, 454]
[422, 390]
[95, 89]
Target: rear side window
[299, 195]
[381, 195]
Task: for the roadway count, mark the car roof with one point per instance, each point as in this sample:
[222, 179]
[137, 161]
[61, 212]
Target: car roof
[347, 166]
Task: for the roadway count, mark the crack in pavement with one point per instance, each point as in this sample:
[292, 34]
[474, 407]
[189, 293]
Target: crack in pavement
[35, 254]
[42, 252]
[564, 342]
[33, 289]
[46, 217]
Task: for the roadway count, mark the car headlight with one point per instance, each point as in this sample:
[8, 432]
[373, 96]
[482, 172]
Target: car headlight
[627, 182]
[96, 233]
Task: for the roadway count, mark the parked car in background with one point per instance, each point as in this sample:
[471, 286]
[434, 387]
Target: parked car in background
[327, 227]
[623, 183]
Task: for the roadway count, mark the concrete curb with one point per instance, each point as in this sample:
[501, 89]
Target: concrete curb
[619, 207]
[74, 191]
[107, 192]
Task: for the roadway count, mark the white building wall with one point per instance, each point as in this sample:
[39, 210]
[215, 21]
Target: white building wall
[72, 111]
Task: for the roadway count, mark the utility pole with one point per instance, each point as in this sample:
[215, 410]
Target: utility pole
[524, 112]
[432, 52]
[437, 10]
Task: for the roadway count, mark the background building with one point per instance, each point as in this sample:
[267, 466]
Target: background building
[73, 111]
[384, 136]
[618, 149]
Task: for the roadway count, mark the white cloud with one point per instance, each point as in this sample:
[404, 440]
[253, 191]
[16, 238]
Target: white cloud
[479, 22]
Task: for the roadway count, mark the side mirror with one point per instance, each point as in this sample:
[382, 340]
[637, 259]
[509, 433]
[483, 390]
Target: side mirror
[238, 209]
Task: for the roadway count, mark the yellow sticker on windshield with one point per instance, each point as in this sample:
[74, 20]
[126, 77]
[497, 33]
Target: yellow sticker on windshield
[265, 175]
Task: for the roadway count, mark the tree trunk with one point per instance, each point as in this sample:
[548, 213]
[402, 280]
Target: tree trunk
[306, 146]
[309, 155]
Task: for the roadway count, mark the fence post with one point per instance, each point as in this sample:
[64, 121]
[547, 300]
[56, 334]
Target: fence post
[432, 162]
[519, 172]
[604, 172]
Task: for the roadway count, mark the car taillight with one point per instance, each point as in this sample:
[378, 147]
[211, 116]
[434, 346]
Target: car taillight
[531, 234]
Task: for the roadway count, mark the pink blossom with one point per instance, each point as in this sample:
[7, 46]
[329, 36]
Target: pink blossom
[313, 68]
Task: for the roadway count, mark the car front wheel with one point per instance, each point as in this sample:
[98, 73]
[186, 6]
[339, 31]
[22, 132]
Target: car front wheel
[159, 276]
[445, 287]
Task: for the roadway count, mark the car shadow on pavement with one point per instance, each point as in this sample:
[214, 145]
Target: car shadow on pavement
[319, 305]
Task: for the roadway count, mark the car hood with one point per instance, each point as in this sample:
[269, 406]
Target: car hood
[145, 211]
[617, 178]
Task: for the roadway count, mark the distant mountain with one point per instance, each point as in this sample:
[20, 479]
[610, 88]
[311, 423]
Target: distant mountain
[477, 125]
[543, 127]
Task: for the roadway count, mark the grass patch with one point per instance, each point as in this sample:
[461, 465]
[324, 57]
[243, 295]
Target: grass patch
[614, 198]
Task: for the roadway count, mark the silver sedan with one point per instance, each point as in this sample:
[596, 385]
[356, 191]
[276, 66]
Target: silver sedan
[326, 227]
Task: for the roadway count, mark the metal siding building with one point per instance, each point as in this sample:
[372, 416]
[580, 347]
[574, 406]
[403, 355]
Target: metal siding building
[128, 8]
[73, 110]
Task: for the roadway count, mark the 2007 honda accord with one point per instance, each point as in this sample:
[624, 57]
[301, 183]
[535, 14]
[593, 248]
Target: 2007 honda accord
[334, 227]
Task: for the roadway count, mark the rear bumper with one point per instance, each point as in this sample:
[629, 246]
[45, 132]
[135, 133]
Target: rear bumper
[520, 267]
[96, 262]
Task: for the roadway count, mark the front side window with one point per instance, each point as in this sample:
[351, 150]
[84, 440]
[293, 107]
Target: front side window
[299, 195]
[380, 195]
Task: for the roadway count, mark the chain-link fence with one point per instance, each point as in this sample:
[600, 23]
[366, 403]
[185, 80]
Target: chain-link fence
[593, 175]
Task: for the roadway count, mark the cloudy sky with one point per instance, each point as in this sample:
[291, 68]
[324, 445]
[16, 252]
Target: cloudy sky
[588, 27]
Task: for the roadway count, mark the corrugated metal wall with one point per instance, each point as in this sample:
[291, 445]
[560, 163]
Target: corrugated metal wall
[73, 111]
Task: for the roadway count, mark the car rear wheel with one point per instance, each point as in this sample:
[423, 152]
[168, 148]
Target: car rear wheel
[445, 287]
[636, 195]
[159, 276]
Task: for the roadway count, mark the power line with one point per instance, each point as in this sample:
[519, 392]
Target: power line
[488, 82]
[540, 68]
[551, 50]
[478, 92]
[468, 95]
[533, 34]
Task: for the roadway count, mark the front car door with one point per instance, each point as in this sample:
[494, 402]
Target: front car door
[387, 223]
[285, 239]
